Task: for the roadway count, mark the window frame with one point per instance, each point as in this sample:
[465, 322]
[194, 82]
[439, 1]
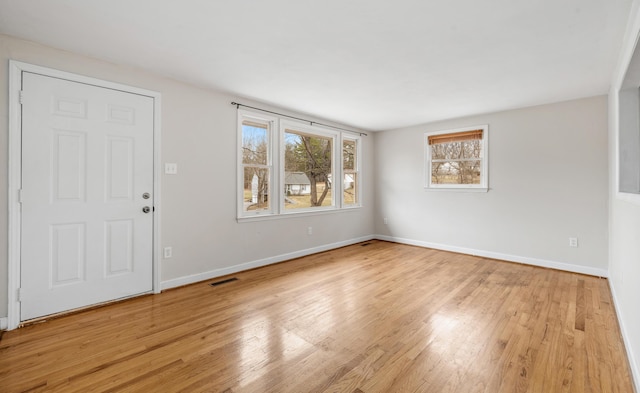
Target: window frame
[484, 162]
[276, 153]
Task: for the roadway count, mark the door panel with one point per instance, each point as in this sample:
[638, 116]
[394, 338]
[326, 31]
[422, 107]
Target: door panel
[68, 166]
[119, 247]
[87, 160]
[119, 177]
[68, 249]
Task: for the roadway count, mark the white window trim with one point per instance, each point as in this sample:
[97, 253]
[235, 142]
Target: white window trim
[483, 186]
[277, 127]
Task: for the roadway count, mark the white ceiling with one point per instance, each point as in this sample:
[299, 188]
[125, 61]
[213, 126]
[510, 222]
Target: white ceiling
[372, 64]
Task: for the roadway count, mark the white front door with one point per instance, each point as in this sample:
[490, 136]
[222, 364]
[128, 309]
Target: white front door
[87, 174]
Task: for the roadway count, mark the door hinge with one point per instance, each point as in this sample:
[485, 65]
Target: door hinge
[21, 97]
[20, 293]
[20, 195]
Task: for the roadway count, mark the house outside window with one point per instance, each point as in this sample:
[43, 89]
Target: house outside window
[296, 183]
[457, 159]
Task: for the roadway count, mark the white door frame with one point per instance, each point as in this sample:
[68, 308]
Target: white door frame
[15, 173]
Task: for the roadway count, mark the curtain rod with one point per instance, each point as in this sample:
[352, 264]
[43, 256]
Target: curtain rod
[238, 105]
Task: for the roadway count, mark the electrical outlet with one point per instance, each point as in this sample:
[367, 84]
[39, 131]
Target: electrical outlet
[386, 221]
[310, 231]
[170, 168]
[168, 252]
[573, 242]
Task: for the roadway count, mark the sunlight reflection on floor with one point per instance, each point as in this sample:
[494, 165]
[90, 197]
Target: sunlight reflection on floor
[262, 343]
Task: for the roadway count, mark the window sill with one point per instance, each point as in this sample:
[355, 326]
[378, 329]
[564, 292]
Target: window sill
[628, 197]
[457, 189]
[266, 217]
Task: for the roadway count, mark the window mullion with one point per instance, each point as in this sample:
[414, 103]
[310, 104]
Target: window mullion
[457, 159]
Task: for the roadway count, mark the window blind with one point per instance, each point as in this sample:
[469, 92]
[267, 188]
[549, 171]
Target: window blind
[456, 137]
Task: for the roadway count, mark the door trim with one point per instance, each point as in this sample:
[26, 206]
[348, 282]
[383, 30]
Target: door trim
[15, 173]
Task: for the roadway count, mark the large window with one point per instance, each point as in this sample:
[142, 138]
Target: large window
[457, 159]
[290, 167]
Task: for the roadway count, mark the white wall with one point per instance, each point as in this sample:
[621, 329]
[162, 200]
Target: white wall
[547, 179]
[624, 218]
[198, 204]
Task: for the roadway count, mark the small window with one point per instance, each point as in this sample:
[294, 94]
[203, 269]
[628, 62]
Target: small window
[457, 159]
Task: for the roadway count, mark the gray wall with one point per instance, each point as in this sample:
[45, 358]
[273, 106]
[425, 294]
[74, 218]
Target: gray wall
[547, 180]
[199, 204]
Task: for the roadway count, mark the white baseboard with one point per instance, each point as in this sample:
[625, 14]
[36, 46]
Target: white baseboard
[633, 363]
[186, 280]
[4, 323]
[505, 257]
[177, 282]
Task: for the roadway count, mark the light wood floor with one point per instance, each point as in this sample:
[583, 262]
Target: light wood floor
[370, 318]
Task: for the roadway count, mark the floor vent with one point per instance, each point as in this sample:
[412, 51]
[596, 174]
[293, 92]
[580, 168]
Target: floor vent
[365, 244]
[215, 284]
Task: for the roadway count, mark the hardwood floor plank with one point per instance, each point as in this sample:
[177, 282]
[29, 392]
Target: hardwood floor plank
[580, 306]
[380, 318]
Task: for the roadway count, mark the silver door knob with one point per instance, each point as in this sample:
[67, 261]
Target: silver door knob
[146, 195]
[146, 209]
